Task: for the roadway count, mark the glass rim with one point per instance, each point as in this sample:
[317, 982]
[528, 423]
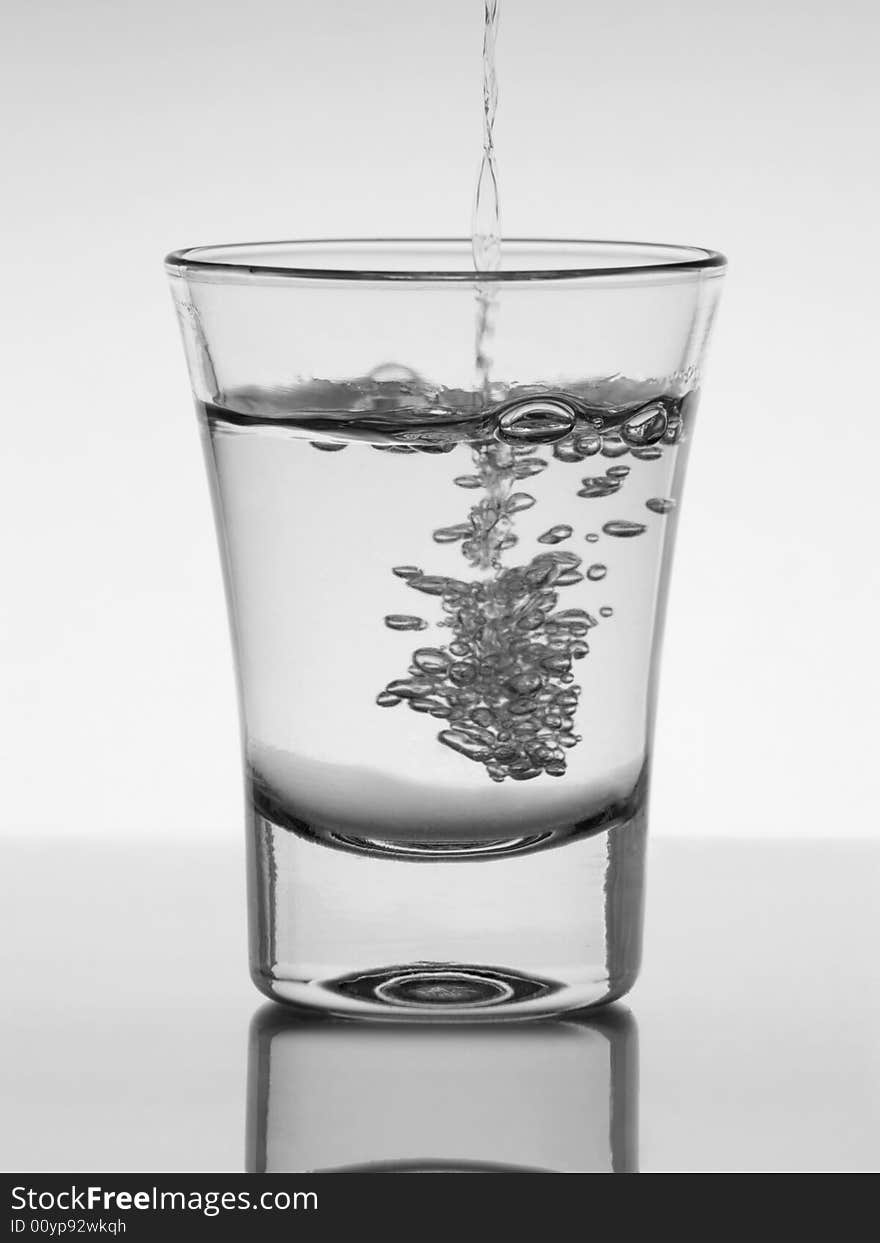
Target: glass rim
[649, 259]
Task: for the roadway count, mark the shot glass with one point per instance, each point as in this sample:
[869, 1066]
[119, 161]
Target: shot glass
[446, 504]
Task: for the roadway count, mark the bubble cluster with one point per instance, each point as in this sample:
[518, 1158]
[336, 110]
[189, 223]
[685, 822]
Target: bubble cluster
[503, 683]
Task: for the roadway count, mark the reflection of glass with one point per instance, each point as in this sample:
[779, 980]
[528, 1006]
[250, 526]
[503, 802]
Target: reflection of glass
[558, 1096]
[446, 589]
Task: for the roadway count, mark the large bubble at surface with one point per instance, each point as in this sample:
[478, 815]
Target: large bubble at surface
[541, 421]
[645, 426]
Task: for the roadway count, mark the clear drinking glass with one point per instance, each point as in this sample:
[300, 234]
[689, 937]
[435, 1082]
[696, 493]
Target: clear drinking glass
[446, 568]
[555, 1097]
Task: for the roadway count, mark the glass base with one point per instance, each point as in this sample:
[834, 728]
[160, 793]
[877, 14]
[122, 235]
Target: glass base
[463, 939]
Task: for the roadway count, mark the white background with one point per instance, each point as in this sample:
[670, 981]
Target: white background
[132, 128]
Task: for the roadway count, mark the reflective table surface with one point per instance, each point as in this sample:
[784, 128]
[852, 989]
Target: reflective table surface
[133, 1040]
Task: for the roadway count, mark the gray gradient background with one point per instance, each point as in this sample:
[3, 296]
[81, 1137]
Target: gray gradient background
[133, 127]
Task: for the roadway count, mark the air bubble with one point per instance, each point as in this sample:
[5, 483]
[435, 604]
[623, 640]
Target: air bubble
[606, 611]
[613, 445]
[542, 572]
[646, 425]
[542, 421]
[405, 621]
[406, 571]
[519, 502]
[567, 451]
[468, 481]
[558, 665]
[660, 505]
[424, 705]
[327, 446]
[435, 448]
[409, 688]
[555, 535]
[451, 535]
[569, 577]
[386, 700]
[592, 538]
[430, 584]
[464, 745]
[576, 620]
[525, 684]
[670, 436]
[397, 374]
[597, 572]
[431, 660]
[599, 486]
[588, 444]
[650, 454]
[527, 467]
[617, 472]
[558, 558]
[623, 529]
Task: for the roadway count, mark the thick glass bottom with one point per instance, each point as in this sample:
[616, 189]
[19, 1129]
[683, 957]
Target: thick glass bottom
[506, 937]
